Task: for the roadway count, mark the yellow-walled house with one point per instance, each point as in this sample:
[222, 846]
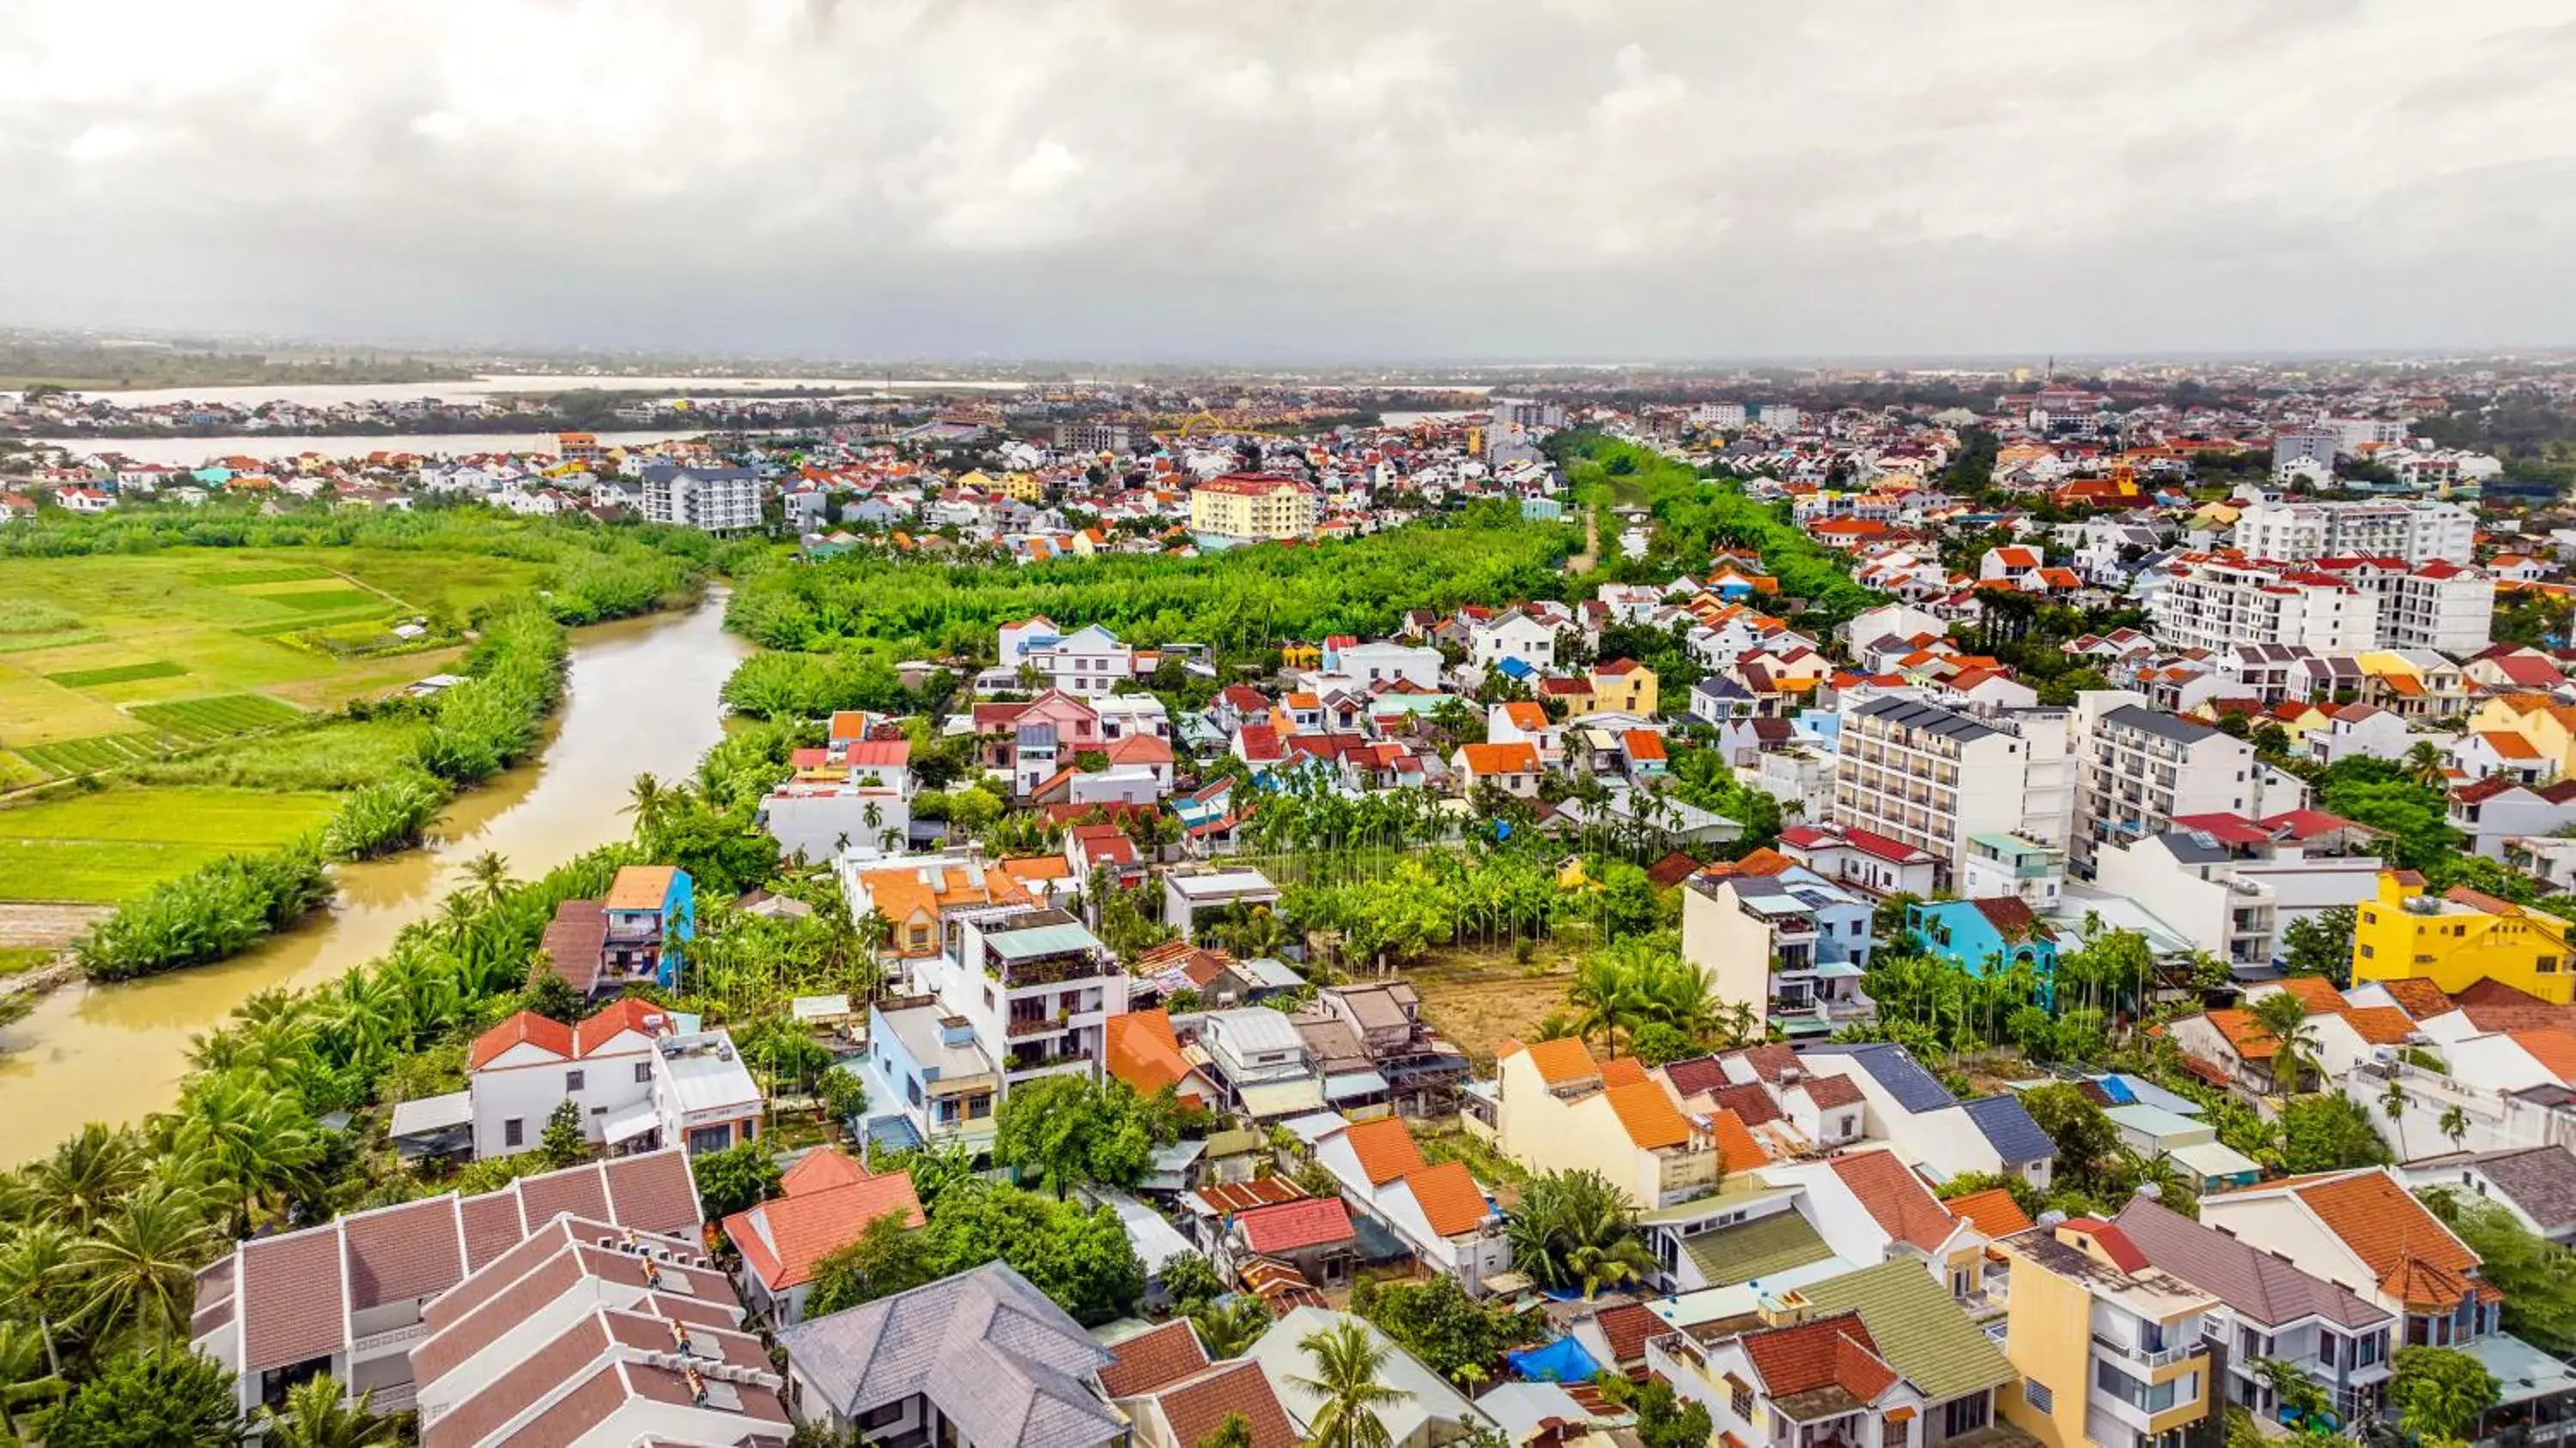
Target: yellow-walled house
[2549, 726]
[2459, 938]
[2109, 1348]
[1624, 685]
[1558, 1109]
[1027, 487]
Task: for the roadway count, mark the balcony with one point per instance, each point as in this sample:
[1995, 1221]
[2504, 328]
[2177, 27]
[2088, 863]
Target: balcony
[1024, 1026]
[2151, 1359]
[1050, 970]
[1027, 1062]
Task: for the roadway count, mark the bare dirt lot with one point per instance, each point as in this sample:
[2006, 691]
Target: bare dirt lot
[1480, 999]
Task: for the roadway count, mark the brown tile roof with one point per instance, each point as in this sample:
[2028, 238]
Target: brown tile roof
[407, 1253]
[1751, 1103]
[292, 1298]
[1449, 1198]
[1992, 1212]
[1385, 1149]
[1698, 1074]
[2492, 1005]
[574, 942]
[1626, 1327]
[1151, 1359]
[1769, 1061]
[1199, 1406]
[1833, 1091]
[1825, 1352]
[1896, 1198]
[2418, 996]
[2315, 992]
[542, 1198]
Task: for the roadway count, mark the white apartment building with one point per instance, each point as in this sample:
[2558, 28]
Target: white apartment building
[2416, 532]
[638, 1083]
[1934, 778]
[2356, 433]
[2141, 767]
[2217, 603]
[2234, 885]
[1718, 414]
[716, 499]
[1036, 988]
[2337, 606]
[1087, 663]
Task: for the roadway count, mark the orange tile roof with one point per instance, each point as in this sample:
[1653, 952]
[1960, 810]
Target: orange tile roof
[2418, 996]
[1992, 1212]
[1449, 1197]
[2315, 992]
[640, 887]
[2554, 1047]
[2388, 1230]
[1501, 758]
[1649, 1115]
[542, 1032]
[1141, 1050]
[1896, 1198]
[783, 1240]
[2381, 1025]
[1151, 1359]
[1563, 1061]
[2248, 1039]
[1525, 714]
[820, 1171]
[1385, 1149]
[1825, 1352]
[901, 894]
[1622, 1071]
[1736, 1145]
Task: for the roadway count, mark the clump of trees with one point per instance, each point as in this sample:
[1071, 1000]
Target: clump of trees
[1573, 1230]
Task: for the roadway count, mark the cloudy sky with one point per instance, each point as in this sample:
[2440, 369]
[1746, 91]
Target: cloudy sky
[1298, 179]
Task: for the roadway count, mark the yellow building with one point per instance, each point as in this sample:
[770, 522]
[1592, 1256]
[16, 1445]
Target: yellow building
[1027, 487]
[1624, 685]
[1558, 1109]
[2458, 939]
[2548, 726]
[2109, 1348]
[1253, 505]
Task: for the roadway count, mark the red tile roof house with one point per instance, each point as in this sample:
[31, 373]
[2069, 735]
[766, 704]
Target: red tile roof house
[1312, 1235]
[826, 1202]
[350, 1297]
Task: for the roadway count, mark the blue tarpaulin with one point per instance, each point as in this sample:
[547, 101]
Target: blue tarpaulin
[1562, 1361]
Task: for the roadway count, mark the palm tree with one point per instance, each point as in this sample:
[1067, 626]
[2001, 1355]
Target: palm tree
[2392, 1104]
[141, 1267]
[2284, 1017]
[489, 873]
[28, 1374]
[646, 799]
[1573, 1228]
[1348, 1360]
[1603, 994]
[2455, 1124]
[2424, 765]
[88, 1175]
[315, 1417]
[36, 1280]
[1229, 1329]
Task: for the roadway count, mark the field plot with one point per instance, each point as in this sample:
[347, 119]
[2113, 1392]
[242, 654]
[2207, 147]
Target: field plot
[114, 844]
[109, 659]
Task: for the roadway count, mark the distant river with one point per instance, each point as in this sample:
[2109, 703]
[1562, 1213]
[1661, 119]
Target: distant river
[642, 700]
[189, 452]
[325, 394]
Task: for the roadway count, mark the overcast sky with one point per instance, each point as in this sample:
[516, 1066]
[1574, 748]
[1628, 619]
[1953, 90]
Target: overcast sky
[1298, 179]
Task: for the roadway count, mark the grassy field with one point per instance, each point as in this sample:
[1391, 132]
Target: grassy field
[110, 658]
[106, 846]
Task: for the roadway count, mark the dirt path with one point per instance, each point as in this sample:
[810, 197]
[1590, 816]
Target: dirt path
[46, 924]
[1590, 557]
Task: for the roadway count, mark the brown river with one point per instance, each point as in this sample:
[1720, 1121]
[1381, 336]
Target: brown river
[643, 699]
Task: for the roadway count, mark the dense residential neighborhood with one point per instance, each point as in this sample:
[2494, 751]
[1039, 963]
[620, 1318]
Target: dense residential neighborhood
[1734, 919]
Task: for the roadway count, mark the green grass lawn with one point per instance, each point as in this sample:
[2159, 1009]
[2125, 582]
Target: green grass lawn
[18, 961]
[89, 639]
[111, 845]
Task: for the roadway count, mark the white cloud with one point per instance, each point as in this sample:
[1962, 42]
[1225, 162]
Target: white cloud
[1129, 178]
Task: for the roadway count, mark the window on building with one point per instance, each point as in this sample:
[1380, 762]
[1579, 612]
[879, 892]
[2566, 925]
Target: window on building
[643, 1072]
[1739, 1397]
[2036, 1393]
[514, 1132]
[572, 1080]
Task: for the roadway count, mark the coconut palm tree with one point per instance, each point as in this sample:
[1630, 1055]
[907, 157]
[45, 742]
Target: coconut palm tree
[245, 1139]
[28, 1374]
[36, 1280]
[315, 1417]
[2284, 1017]
[489, 873]
[89, 1175]
[2455, 1124]
[2424, 765]
[1229, 1329]
[140, 1267]
[1348, 1360]
[1575, 1229]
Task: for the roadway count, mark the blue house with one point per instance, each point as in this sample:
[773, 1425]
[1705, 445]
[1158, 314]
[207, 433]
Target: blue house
[1541, 510]
[2001, 933]
[651, 913]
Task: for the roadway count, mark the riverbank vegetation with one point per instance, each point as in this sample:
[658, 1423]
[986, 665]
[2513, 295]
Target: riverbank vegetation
[1697, 514]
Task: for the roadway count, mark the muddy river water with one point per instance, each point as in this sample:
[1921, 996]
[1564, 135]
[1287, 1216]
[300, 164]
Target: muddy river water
[643, 699]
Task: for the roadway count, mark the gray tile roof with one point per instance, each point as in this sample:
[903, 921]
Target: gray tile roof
[2541, 1180]
[991, 1351]
[2158, 722]
[1913, 1087]
[2007, 1124]
[2266, 1289]
[1931, 718]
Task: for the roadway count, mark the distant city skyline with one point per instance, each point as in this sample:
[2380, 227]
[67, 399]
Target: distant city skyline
[1327, 184]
